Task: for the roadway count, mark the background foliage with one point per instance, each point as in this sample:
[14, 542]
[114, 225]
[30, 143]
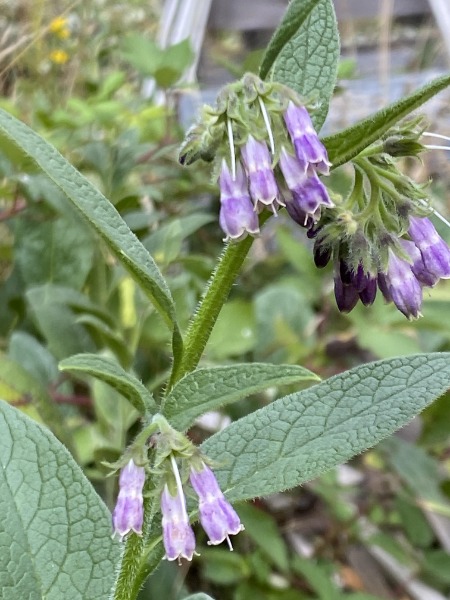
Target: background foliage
[372, 530]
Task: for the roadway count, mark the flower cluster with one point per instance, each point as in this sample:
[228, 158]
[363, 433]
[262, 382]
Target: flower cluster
[217, 516]
[381, 240]
[267, 153]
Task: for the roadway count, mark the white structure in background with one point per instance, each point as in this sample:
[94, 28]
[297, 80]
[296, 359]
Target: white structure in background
[441, 11]
[182, 19]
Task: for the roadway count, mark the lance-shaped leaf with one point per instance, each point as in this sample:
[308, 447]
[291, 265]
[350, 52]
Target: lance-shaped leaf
[99, 212]
[347, 144]
[208, 389]
[304, 53]
[300, 436]
[55, 532]
[112, 374]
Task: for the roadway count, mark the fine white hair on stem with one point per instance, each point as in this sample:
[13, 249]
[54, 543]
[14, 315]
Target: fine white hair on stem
[435, 212]
[433, 147]
[267, 123]
[232, 154]
[436, 135]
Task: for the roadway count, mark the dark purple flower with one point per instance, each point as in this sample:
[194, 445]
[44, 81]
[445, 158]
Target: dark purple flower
[237, 215]
[178, 536]
[217, 516]
[258, 164]
[322, 255]
[310, 151]
[128, 513]
[368, 294]
[351, 286]
[400, 285]
[435, 252]
[346, 295]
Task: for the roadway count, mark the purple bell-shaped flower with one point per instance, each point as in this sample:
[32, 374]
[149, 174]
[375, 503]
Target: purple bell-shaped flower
[237, 215]
[310, 151]
[217, 516]
[128, 514]
[178, 536]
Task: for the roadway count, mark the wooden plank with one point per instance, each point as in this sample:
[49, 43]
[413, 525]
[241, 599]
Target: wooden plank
[249, 15]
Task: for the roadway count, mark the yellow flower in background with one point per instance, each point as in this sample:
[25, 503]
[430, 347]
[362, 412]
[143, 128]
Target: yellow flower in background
[59, 57]
[59, 26]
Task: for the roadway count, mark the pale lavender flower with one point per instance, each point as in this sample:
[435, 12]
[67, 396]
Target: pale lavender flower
[258, 164]
[237, 215]
[308, 192]
[435, 252]
[310, 151]
[178, 536]
[217, 516]
[421, 273]
[400, 285]
[128, 514]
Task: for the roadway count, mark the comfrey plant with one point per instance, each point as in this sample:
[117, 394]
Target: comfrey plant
[262, 139]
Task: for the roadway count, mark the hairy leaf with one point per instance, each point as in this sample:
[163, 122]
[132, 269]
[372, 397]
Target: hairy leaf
[208, 389]
[55, 532]
[296, 438]
[295, 16]
[112, 374]
[307, 63]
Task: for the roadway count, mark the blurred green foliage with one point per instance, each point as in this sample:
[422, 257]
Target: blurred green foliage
[63, 293]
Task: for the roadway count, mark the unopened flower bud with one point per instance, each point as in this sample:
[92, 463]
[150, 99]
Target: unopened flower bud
[217, 516]
[128, 513]
[346, 295]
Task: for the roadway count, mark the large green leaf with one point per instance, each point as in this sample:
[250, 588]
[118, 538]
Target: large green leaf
[305, 52]
[55, 532]
[295, 16]
[112, 374]
[347, 144]
[100, 213]
[296, 438]
[208, 389]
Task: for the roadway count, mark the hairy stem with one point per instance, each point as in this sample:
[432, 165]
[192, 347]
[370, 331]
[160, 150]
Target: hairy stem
[210, 305]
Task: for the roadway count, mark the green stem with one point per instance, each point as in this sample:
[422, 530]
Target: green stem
[210, 306]
[135, 565]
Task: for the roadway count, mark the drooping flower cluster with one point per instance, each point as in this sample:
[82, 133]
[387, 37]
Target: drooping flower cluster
[217, 516]
[267, 153]
[384, 241]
